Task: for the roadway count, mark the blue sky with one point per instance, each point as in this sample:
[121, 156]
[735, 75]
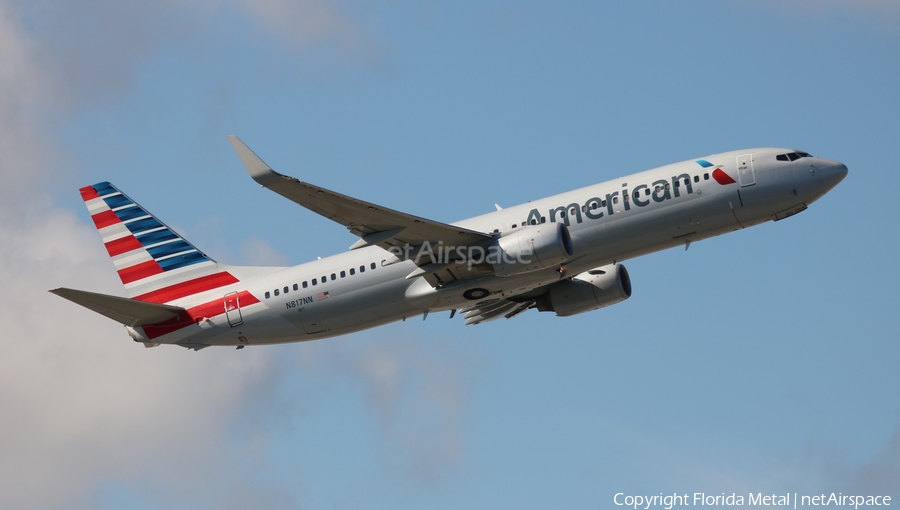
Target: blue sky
[762, 361]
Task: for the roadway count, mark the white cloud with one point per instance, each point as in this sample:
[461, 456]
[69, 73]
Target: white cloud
[257, 252]
[304, 22]
[418, 396]
[83, 405]
[310, 23]
[82, 402]
[397, 372]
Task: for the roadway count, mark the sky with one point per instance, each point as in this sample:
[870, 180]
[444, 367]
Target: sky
[760, 361]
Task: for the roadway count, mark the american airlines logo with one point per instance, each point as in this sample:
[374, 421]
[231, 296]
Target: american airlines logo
[625, 199]
[593, 208]
[718, 174]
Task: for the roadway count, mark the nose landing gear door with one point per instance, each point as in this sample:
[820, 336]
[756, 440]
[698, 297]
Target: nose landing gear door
[233, 309]
[745, 170]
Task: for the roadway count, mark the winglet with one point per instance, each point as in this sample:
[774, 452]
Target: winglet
[256, 167]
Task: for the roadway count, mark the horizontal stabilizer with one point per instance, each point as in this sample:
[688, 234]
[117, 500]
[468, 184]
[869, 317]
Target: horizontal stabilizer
[129, 312]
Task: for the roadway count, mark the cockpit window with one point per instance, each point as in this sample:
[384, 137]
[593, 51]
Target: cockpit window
[792, 156]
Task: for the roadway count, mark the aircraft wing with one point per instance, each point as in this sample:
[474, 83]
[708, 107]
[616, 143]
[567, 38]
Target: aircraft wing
[374, 224]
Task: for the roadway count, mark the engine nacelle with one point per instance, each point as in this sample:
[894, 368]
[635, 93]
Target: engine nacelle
[530, 248]
[599, 287]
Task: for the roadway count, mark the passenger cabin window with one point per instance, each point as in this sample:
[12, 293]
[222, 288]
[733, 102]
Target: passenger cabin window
[324, 279]
[373, 265]
[352, 271]
[315, 282]
[285, 290]
[362, 269]
[305, 285]
[514, 225]
[268, 295]
[343, 274]
[696, 178]
[296, 287]
[333, 277]
[276, 292]
[705, 177]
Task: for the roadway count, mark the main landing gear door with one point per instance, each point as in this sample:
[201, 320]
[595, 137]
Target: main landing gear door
[233, 309]
[745, 170]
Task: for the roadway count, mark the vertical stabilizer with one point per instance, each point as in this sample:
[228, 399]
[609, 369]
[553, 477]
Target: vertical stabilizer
[154, 263]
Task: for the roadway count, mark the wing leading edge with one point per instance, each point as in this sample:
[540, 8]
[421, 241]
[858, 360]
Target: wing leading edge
[374, 224]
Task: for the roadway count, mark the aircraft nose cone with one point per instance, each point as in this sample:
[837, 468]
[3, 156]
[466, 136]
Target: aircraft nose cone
[834, 173]
[826, 174]
[842, 171]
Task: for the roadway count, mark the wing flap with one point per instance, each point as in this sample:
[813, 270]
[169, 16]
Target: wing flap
[494, 309]
[129, 312]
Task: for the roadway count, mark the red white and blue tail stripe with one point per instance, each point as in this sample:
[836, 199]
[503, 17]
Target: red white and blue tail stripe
[154, 263]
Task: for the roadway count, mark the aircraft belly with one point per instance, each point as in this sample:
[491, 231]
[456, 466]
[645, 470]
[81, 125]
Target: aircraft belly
[631, 236]
[756, 204]
[259, 327]
[356, 309]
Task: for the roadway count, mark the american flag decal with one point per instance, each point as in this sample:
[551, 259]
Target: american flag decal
[322, 295]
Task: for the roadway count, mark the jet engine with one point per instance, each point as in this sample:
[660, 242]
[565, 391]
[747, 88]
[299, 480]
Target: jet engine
[530, 248]
[590, 290]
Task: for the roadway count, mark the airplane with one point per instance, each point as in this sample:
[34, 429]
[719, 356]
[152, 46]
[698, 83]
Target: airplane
[559, 254]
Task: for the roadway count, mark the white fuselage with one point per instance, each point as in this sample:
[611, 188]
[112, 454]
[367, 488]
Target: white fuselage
[605, 227]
